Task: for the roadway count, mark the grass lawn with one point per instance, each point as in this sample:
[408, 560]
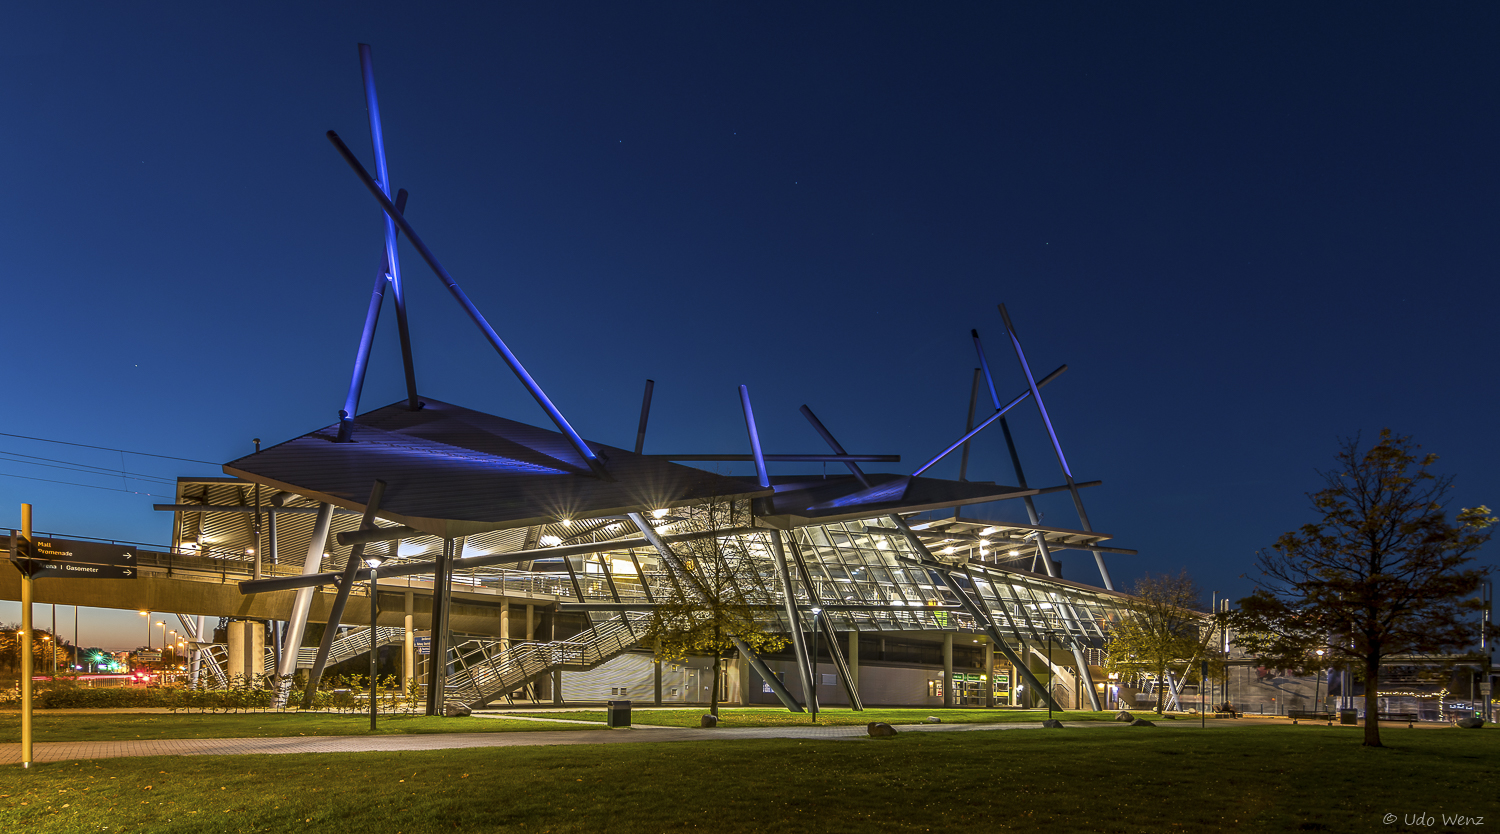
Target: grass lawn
[1255, 779]
[769, 717]
[131, 726]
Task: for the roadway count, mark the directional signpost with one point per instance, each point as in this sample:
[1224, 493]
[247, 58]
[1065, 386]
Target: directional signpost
[38, 558]
[61, 558]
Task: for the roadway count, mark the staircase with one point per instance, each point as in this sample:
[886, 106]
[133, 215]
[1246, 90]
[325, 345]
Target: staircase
[215, 657]
[485, 672]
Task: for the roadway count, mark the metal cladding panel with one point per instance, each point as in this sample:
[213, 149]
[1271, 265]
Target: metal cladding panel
[452, 471]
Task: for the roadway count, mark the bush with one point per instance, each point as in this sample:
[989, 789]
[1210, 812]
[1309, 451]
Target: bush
[76, 698]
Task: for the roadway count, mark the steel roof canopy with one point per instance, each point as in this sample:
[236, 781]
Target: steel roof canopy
[453, 471]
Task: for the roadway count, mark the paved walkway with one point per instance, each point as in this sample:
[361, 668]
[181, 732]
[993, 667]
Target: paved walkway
[59, 751]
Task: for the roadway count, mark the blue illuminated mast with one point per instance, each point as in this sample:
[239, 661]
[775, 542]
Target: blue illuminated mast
[589, 455]
[393, 262]
[390, 275]
[1062, 461]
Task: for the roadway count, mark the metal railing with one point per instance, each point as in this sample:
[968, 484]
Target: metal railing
[215, 656]
[486, 670]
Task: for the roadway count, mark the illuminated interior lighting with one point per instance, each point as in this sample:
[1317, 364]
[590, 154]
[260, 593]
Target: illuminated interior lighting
[659, 513]
[948, 551]
[989, 531]
[566, 522]
[1015, 553]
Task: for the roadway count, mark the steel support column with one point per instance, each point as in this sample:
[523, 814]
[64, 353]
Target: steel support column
[794, 620]
[296, 624]
[979, 614]
[340, 599]
[947, 669]
[836, 654]
[768, 676]
[437, 647]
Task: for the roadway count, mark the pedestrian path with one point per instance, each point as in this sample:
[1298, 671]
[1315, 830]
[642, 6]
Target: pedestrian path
[60, 751]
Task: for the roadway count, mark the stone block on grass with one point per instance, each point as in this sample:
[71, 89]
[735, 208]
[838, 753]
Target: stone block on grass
[1141, 722]
[455, 711]
[709, 721]
[880, 729]
[933, 719]
[1473, 722]
[1122, 715]
[1052, 724]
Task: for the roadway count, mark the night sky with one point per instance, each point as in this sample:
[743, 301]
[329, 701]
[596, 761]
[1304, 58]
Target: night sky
[1249, 232]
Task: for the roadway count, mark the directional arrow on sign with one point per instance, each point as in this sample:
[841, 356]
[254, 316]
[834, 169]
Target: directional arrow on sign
[95, 553]
[43, 568]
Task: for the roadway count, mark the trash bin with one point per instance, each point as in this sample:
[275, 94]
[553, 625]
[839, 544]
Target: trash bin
[1348, 716]
[617, 714]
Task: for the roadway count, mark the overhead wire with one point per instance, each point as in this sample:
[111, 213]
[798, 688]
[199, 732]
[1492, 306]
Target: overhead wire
[90, 469]
[90, 486]
[86, 468]
[107, 448]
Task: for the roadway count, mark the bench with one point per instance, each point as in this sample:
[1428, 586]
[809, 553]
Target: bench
[1309, 715]
[1227, 713]
[1409, 717]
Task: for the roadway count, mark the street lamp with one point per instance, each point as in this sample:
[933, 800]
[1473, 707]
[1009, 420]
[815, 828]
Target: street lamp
[373, 563]
[812, 698]
[147, 615]
[163, 624]
[1318, 680]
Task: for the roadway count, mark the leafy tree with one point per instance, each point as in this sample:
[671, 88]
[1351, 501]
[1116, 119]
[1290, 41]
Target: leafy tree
[1383, 570]
[1161, 628]
[714, 595]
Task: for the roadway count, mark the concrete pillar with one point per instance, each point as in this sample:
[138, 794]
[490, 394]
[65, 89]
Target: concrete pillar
[409, 646]
[989, 674]
[742, 669]
[656, 675]
[247, 650]
[530, 622]
[948, 669]
[853, 659]
[504, 624]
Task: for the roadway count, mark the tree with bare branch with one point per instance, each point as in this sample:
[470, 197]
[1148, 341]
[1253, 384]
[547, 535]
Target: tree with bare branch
[1383, 571]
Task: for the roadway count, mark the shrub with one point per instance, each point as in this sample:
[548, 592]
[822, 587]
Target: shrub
[74, 698]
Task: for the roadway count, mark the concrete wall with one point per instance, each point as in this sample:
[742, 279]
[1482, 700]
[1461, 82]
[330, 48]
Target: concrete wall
[631, 676]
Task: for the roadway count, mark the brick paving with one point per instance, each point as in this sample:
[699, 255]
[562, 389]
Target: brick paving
[59, 751]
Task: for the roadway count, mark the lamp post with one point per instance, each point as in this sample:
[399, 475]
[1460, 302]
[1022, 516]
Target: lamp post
[812, 696]
[163, 624]
[147, 615]
[1049, 675]
[1318, 681]
[373, 563]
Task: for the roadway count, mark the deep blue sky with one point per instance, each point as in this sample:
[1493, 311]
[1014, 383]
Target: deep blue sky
[1248, 231]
